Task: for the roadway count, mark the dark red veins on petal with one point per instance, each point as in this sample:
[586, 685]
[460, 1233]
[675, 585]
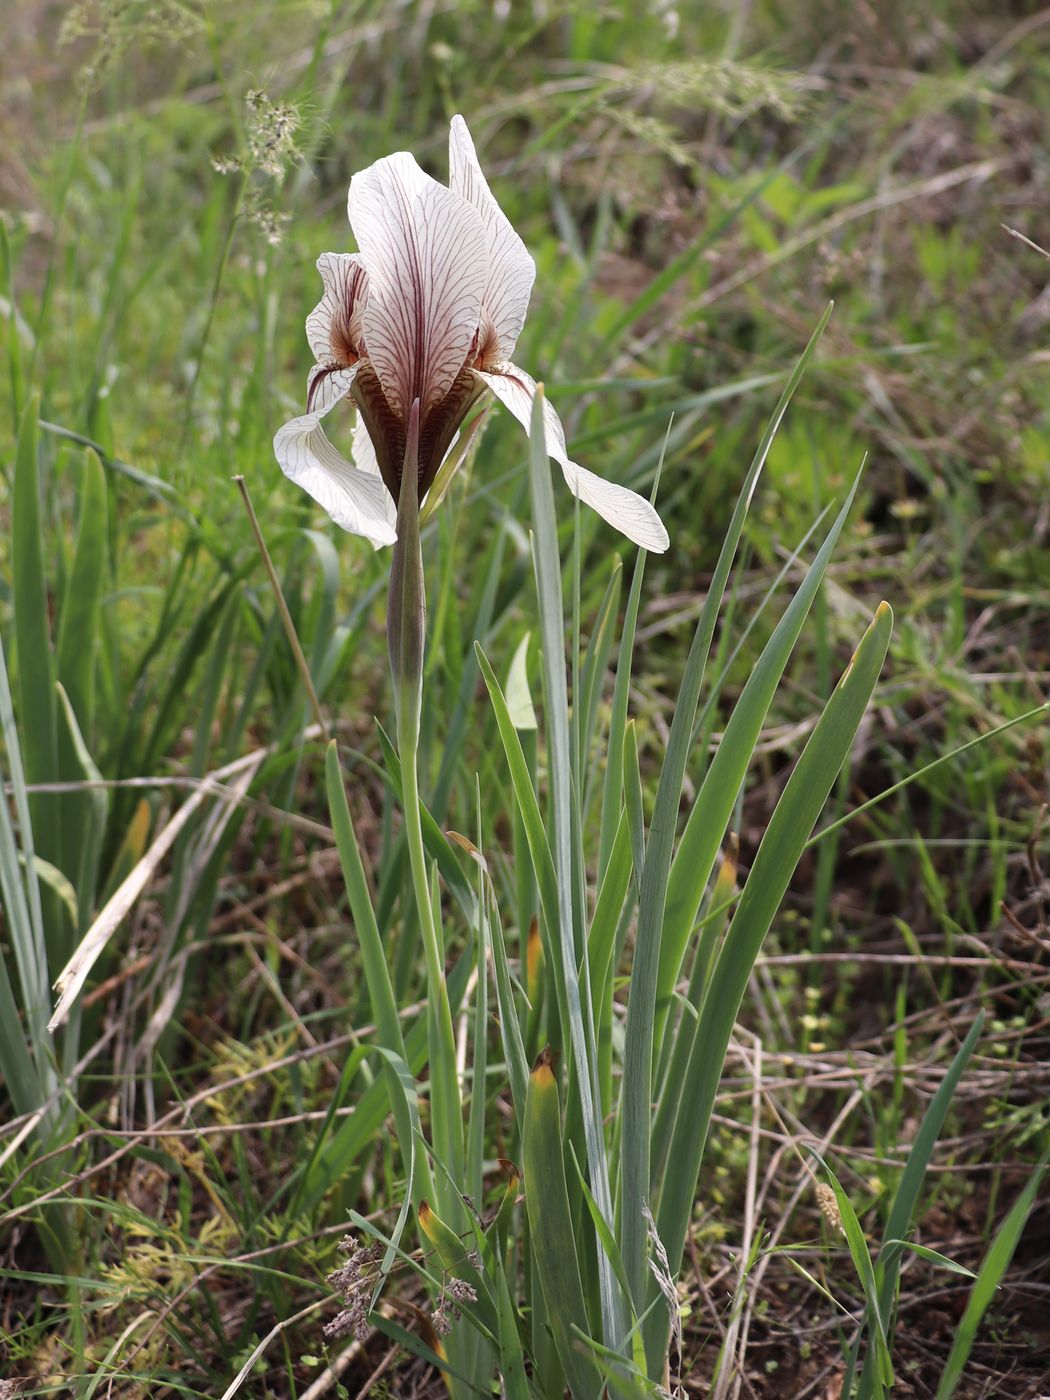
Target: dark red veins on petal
[347, 342]
[317, 378]
[437, 429]
[440, 424]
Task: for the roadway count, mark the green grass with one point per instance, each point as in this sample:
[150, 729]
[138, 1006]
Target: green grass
[246, 1067]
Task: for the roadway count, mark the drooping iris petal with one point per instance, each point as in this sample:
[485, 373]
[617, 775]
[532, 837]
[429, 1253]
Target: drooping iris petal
[512, 271]
[356, 500]
[427, 260]
[333, 327]
[625, 510]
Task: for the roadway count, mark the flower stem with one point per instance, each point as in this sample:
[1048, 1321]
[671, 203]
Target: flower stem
[406, 635]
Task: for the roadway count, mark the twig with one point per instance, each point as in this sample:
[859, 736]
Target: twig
[263, 1346]
[1015, 233]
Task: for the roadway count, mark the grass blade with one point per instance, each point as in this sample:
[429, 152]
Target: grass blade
[509, 1026]
[593, 673]
[907, 1194]
[511, 1361]
[25, 1043]
[455, 1260]
[524, 794]
[86, 812]
[861, 1256]
[377, 972]
[36, 686]
[996, 1262]
[16, 327]
[373, 953]
[613, 784]
[78, 625]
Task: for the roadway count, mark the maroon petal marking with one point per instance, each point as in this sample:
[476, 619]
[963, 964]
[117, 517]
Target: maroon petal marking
[427, 260]
[333, 327]
[442, 423]
[385, 428]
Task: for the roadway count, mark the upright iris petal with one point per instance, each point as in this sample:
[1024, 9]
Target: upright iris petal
[505, 298]
[427, 261]
[429, 309]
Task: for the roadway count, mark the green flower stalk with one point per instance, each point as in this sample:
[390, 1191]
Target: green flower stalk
[406, 640]
[407, 605]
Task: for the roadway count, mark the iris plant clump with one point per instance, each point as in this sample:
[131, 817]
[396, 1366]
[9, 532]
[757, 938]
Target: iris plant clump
[610, 1122]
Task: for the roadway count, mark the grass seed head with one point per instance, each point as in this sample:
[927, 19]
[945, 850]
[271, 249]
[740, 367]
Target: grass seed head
[829, 1206]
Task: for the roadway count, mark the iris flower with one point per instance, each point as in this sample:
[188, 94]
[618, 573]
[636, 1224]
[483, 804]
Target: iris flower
[429, 308]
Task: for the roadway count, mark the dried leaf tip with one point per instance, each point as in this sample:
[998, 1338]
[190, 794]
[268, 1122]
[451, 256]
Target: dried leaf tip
[543, 1067]
[728, 869]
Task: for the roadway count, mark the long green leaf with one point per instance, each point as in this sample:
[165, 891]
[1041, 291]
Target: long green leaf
[636, 1098]
[799, 807]
[511, 1360]
[356, 1133]
[709, 818]
[550, 1226]
[611, 789]
[15, 326]
[634, 804]
[569, 963]
[21, 895]
[678, 1048]
[86, 812]
[524, 796]
[593, 673]
[373, 952]
[373, 958]
[434, 839]
[607, 909]
[879, 1347]
[405, 1105]
[25, 1045]
[455, 1257]
[475, 1179]
[510, 1028]
[83, 814]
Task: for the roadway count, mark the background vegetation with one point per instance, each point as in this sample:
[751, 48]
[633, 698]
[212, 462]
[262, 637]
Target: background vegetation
[695, 184]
